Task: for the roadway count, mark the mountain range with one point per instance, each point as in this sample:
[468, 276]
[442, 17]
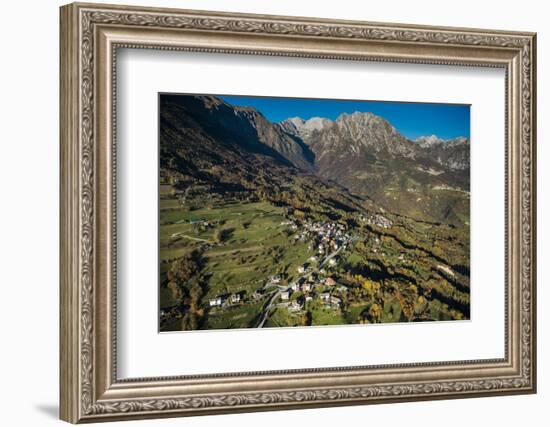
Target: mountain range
[360, 154]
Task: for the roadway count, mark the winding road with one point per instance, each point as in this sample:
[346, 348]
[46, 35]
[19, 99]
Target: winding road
[267, 308]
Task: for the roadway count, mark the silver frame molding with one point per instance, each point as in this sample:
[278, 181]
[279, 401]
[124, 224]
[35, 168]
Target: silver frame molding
[90, 37]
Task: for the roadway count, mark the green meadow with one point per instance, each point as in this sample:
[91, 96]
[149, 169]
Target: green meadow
[255, 246]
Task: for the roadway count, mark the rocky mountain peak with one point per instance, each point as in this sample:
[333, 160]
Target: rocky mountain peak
[357, 115]
[313, 123]
[428, 141]
[366, 123]
[359, 151]
[253, 116]
[303, 129]
[434, 140]
[316, 123]
[243, 127]
[461, 140]
[452, 153]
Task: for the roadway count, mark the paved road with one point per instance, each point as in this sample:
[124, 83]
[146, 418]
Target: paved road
[268, 307]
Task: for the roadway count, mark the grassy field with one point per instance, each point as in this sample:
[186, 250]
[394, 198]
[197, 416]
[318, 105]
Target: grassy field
[281, 317]
[236, 317]
[325, 316]
[243, 244]
[255, 247]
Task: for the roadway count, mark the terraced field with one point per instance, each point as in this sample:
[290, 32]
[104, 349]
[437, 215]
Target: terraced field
[256, 246]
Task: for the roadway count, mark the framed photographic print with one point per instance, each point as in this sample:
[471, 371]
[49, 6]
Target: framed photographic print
[264, 212]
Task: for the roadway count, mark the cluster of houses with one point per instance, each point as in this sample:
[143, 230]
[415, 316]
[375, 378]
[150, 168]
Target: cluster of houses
[332, 261]
[328, 235]
[306, 286]
[330, 301]
[274, 280]
[325, 235]
[203, 223]
[327, 299]
[220, 301]
[376, 219]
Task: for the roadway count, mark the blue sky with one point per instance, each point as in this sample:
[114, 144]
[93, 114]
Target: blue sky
[411, 119]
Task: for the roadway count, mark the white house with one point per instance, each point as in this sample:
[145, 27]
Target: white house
[215, 302]
[275, 280]
[285, 295]
[295, 286]
[301, 269]
[332, 262]
[295, 306]
[235, 298]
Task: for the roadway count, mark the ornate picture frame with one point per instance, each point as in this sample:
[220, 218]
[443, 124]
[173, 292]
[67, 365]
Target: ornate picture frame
[90, 37]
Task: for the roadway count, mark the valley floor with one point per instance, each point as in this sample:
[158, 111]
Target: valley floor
[240, 264]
